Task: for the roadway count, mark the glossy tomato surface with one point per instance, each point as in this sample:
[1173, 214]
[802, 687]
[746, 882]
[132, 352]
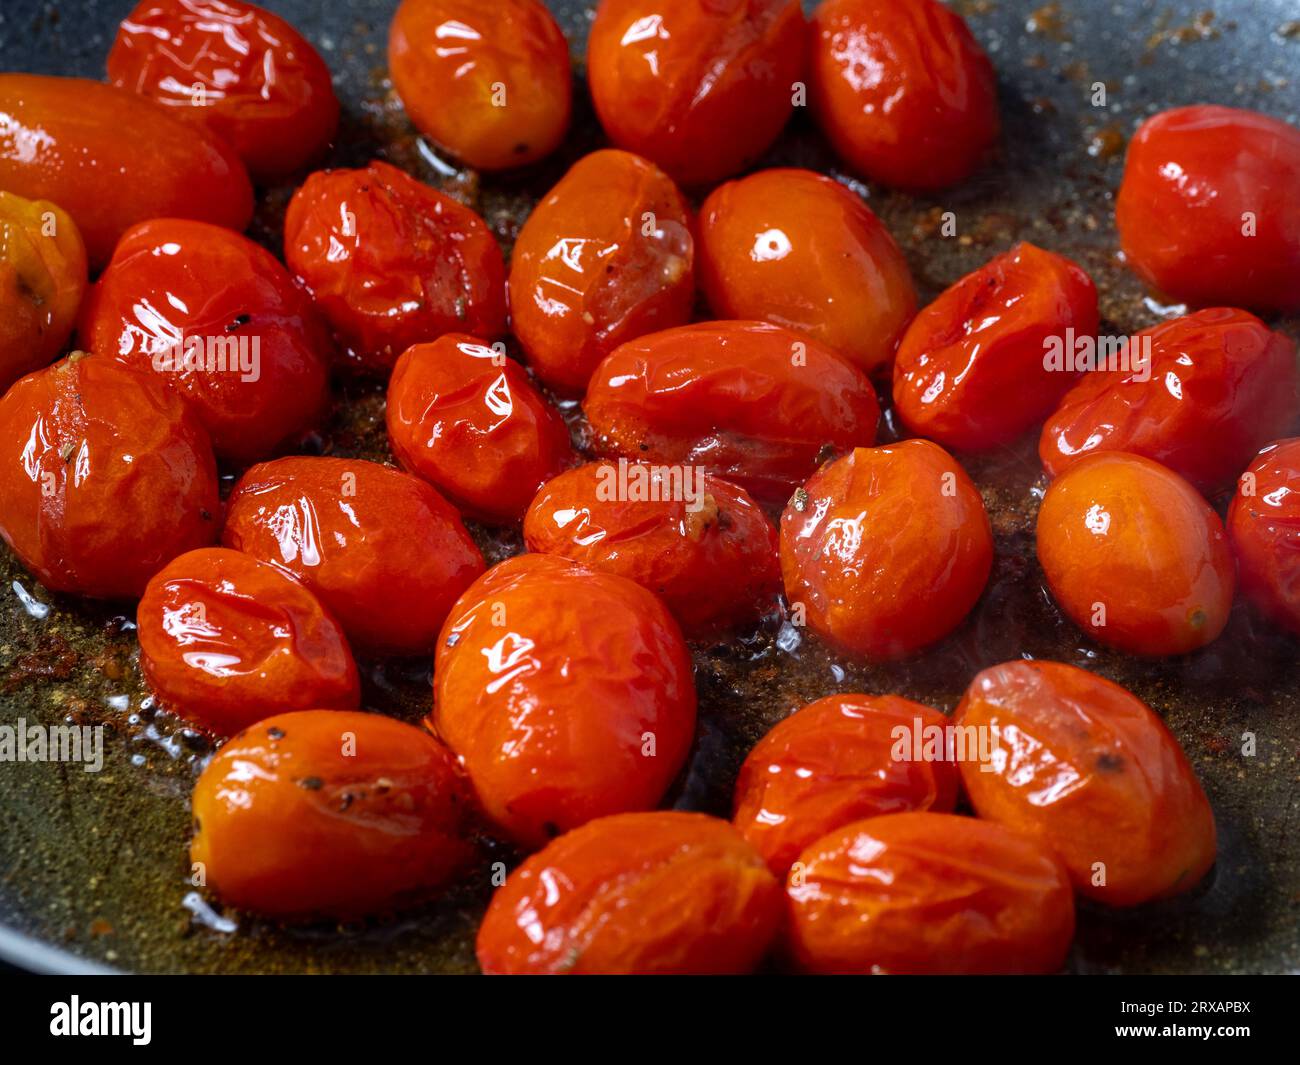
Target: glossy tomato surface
[1264, 527]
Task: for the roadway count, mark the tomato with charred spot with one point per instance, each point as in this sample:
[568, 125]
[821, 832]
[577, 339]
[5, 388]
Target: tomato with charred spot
[1264, 527]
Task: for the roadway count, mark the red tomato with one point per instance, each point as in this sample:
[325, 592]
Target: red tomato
[1264, 527]
[972, 371]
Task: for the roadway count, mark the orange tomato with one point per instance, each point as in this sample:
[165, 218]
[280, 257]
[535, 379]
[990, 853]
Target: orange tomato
[1264, 527]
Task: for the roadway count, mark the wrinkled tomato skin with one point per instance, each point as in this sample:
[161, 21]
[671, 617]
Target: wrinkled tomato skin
[102, 178]
[566, 693]
[663, 893]
[173, 280]
[329, 813]
[384, 553]
[585, 276]
[1088, 771]
[244, 73]
[751, 402]
[392, 262]
[800, 250]
[887, 549]
[700, 87]
[1220, 384]
[1264, 527]
[465, 418]
[1209, 208]
[903, 91]
[970, 372]
[452, 60]
[928, 894]
[712, 560]
[226, 640]
[105, 477]
[1135, 556]
[832, 763]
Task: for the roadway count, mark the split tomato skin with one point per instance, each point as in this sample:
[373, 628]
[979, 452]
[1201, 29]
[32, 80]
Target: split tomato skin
[1264, 527]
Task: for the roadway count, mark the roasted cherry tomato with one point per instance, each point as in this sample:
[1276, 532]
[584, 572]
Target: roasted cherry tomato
[1135, 556]
[245, 73]
[886, 549]
[1209, 209]
[1199, 394]
[106, 477]
[836, 761]
[393, 262]
[1264, 527]
[466, 418]
[103, 179]
[220, 322]
[975, 368]
[329, 813]
[1088, 771]
[605, 257]
[902, 90]
[928, 893]
[798, 249]
[566, 692]
[226, 640]
[487, 82]
[752, 402]
[384, 553]
[699, 542]
[662, 893]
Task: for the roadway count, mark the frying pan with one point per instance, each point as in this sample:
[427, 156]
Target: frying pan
[93, 866]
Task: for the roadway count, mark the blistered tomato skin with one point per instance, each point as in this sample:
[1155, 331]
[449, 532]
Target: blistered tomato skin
[1134, 556]
[751, 402]
[392, 262]
[834, 762]
[704, 546]
[105, 476]
[606, 256]
[886, 549]
[972, 371]
[1091, 773]
[1217, 386]
[244, 73]
[699, 86]
[226, 640]
[488, 83]
[902, 91]
[1264, 527]
[464, 417]
[1209, 208]
[663, 893]
[103, 179]
[382, 550]
[927, 894]
[329, 813]
[566, 693]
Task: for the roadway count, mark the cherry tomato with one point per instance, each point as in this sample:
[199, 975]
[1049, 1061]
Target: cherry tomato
[1134, 556]
[384, 553]
[489, 83]
[700, 543]
[329, 813]
[393, 262]
[226, 640]
[106, 477]
[752, 402]
[466, 418]
[886, 549]
[702, 87]
[1209, 208]
[928, 893]
[903, 91]
[973, 370]
[1264, 527]
[798, 249]
[566, 692]
[836, 761]
[244, 73]
[103, 179]
[662, 893]
[605, 257]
